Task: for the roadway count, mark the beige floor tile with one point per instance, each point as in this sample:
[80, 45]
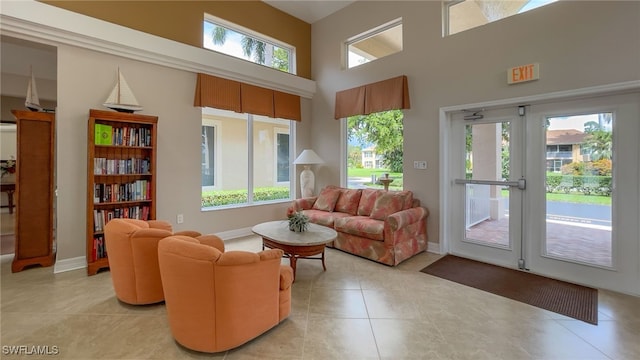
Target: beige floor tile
[357, 309]
[338, 303]
[613, 338]
[331, 338]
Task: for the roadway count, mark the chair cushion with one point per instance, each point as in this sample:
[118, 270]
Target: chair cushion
[327, 199]
[388, 203]
[348, 201]
[363, 226]
[367, 200]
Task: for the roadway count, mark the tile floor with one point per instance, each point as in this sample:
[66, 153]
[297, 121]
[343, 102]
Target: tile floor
[357, 309]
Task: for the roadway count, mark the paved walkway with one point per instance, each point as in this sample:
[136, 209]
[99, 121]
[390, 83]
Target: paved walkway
[584, 243]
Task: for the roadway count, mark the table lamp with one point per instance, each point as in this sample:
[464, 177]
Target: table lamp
[307, 158]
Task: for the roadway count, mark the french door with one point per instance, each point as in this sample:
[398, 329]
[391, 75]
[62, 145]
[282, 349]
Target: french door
[550, 188]
[487, 187]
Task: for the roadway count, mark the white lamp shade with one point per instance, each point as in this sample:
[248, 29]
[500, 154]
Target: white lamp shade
[308, 157]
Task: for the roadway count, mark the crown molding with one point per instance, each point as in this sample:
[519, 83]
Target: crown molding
[43, 23]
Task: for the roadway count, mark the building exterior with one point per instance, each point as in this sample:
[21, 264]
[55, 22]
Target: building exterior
[564, 147]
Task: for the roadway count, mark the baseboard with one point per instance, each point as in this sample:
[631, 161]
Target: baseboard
[233, 234]
[433, 247]
[6, 258]
[76, 263]
[80, 262]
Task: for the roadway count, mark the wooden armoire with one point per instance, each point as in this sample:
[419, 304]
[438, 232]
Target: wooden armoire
[34, 190]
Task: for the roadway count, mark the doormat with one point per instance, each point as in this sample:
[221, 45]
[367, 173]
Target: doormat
[576, 301]
[7, 244]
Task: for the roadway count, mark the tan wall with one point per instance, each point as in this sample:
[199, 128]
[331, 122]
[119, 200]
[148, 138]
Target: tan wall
[182, 21]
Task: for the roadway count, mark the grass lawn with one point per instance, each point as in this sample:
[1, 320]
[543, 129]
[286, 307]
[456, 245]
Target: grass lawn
[361, 172]
[575, 198]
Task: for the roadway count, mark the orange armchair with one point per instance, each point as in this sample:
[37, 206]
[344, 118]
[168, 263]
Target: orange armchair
[218, 301]
[132, 248]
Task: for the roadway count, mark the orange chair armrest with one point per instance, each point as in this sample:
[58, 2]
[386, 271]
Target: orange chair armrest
[286, 277]
[270, 254]
[190, 233]
[160, 224]
[235, 258]
[151, 233]
[211, 240]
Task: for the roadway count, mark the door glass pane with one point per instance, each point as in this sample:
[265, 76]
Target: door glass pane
[487, 206]
[579, 187]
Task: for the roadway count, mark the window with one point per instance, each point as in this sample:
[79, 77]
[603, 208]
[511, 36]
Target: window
[461, 15]
[231, 39]
[374, 44]
[379, 138]
[239, 172]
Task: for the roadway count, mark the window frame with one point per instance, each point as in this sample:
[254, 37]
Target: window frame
[255, 35]
[249, 122]
[369, 34]
[448, 4]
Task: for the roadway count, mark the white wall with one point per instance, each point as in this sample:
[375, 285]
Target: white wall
[578, 44]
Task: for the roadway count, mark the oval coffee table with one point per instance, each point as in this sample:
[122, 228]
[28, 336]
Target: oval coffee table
[296, 245]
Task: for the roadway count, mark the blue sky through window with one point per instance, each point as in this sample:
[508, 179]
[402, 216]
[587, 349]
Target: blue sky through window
[232, 46]
[535, 4]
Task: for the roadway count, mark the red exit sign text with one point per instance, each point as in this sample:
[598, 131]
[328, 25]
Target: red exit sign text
[523, 73]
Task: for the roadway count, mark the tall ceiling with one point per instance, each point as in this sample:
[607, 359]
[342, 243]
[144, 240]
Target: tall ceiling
[309, 11]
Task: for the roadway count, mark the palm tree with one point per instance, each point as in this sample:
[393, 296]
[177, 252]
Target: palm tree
[250, 46]
[598, 140]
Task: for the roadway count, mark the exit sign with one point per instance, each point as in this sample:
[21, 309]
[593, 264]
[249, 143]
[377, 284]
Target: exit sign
[523, 73]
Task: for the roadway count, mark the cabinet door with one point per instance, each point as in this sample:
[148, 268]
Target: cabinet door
[34, 190]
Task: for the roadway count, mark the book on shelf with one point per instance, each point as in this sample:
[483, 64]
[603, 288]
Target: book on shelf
[102, 217]
[99, 250]
[103, 134]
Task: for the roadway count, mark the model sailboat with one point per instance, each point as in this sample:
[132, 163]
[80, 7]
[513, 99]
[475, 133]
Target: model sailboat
[32, 102]
[121, 98]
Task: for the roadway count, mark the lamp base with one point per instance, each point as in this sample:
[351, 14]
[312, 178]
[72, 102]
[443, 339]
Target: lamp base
[307, 182]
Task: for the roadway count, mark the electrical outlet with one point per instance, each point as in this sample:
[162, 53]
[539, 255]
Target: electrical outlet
[422, 165]
[180, 218]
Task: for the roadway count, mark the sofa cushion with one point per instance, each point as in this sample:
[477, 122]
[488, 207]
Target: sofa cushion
[322, 217]
[367, 200]
[388, 203]
[361, 226]
[327, 199]
[348, 201]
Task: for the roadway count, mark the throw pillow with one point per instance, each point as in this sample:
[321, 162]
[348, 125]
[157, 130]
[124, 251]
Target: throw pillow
[348, 201]
[367, 200]
[408, 199]
[327, 199]
[386, 204]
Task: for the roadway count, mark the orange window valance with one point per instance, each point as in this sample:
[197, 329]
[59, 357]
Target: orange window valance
[390, 94]
[220, 93]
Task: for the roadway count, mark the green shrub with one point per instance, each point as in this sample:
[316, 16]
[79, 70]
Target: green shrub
[598, 185]
[231, 197]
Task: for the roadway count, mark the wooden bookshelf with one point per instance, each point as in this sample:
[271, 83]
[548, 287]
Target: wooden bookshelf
[121, 175]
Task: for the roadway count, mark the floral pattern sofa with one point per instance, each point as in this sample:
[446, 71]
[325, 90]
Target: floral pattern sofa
[385, 226]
